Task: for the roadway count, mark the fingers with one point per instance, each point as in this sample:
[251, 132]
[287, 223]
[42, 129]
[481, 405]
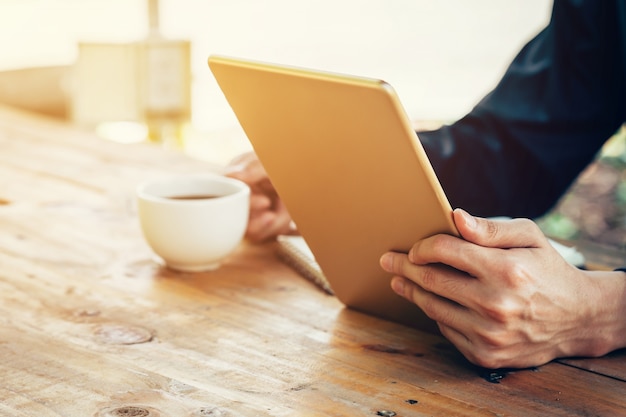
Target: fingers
[475, 336]
[437, 308]
[268, 215]
[435, 280]
[515, 233]
[265, 225]
[246, 168]
[454, 252]
[498, 293]
[486, 247]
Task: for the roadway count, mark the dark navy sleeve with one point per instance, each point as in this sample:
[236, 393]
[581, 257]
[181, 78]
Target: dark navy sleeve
[561, 98]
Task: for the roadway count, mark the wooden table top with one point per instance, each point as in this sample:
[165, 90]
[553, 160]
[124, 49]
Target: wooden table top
[91, 325]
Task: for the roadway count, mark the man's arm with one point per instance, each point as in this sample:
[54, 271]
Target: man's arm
[559, 101]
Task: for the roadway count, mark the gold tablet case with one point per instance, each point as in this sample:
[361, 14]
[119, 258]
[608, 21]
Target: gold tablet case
[345, 160]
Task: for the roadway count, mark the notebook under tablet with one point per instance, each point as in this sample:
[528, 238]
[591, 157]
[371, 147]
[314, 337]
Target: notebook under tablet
[350, 169]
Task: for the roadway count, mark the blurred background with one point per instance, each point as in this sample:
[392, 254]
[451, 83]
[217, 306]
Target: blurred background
[440, 56]
[136, 70]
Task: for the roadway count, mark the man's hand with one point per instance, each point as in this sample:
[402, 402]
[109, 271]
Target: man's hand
[505, 298]
[268, 215]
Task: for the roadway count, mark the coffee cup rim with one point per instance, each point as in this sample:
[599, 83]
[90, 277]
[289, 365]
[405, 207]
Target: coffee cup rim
[143, 194]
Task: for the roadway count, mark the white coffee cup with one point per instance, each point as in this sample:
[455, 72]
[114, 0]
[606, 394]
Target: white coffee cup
[193, 222]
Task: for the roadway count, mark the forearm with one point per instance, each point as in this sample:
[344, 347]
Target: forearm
[562, 97]
[603, 329]
[485, 169]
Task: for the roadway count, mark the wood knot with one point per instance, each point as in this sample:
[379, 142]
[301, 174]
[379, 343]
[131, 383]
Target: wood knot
[128, 411]
[209, 412]
[392, 350]
[122, 334]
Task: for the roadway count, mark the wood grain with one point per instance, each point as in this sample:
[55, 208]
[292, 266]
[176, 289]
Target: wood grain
[92, 325]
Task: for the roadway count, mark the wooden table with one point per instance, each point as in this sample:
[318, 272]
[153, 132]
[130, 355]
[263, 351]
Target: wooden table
[91, 325]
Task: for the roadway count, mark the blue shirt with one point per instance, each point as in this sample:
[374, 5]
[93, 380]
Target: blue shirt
[561, 98]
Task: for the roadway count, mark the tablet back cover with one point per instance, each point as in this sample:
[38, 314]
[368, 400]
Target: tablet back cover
[345, 160]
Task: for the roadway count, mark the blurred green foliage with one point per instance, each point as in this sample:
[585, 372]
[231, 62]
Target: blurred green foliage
[594, 208]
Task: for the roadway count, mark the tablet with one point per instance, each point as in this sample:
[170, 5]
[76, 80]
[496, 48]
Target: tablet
[350, 169]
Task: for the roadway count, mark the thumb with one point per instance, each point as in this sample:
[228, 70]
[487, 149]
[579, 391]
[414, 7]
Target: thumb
[247, 168]
[514, 233]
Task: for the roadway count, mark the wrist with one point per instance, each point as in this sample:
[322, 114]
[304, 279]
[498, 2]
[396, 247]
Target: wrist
[604, 323]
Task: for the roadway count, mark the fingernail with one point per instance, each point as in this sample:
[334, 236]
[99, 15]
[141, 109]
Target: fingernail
[469, 220]
[397, 285]
[410, 256]
[386, 262]
[230, 169]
